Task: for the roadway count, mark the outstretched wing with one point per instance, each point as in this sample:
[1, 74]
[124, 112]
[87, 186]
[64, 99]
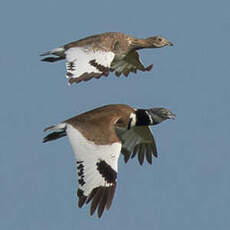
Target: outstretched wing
[138, 140]
[130, 63]
[97, 171]
[82, 64]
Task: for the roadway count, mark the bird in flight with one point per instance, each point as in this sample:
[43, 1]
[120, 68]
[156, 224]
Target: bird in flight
[98, 55]
[98, 137]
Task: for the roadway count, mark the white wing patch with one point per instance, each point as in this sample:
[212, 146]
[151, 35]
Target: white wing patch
[82, 64]
[138, 140]
[97, 170]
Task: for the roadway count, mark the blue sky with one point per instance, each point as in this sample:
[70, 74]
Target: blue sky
[187, 187]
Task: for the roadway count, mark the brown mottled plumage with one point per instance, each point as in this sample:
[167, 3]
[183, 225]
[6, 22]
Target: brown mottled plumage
[102, 120]
[102, 53]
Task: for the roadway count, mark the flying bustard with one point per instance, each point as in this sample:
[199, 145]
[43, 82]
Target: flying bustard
[96, 56]
[97, 138]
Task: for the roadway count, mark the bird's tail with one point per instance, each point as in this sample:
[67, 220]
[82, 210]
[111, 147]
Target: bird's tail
[60, 52]
[59, 131]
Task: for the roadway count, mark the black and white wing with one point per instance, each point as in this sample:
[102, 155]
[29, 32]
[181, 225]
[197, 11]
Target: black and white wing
[130, 63]
[97, 167]
[82, 64]
[138, 141]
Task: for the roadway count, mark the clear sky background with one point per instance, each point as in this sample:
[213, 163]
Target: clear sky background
[188, 186]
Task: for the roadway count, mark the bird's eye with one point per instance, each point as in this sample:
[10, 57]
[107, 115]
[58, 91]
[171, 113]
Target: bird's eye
[160, 39]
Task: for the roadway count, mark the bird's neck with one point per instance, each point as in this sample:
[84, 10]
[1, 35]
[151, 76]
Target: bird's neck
[145, 119]
[142, 43]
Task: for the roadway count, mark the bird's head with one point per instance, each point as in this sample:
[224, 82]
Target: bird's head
[153, 116]
[158, 42]
[160, 114]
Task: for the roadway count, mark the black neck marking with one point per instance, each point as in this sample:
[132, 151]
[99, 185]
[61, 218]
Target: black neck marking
[142, 118]
[130, 121]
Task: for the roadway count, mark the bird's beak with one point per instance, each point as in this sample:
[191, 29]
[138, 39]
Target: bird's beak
[169, 43]
[172, 116]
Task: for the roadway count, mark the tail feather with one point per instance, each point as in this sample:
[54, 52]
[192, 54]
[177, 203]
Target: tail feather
[58, 51]
[52, 59]
[59, 131]
[53, 136]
